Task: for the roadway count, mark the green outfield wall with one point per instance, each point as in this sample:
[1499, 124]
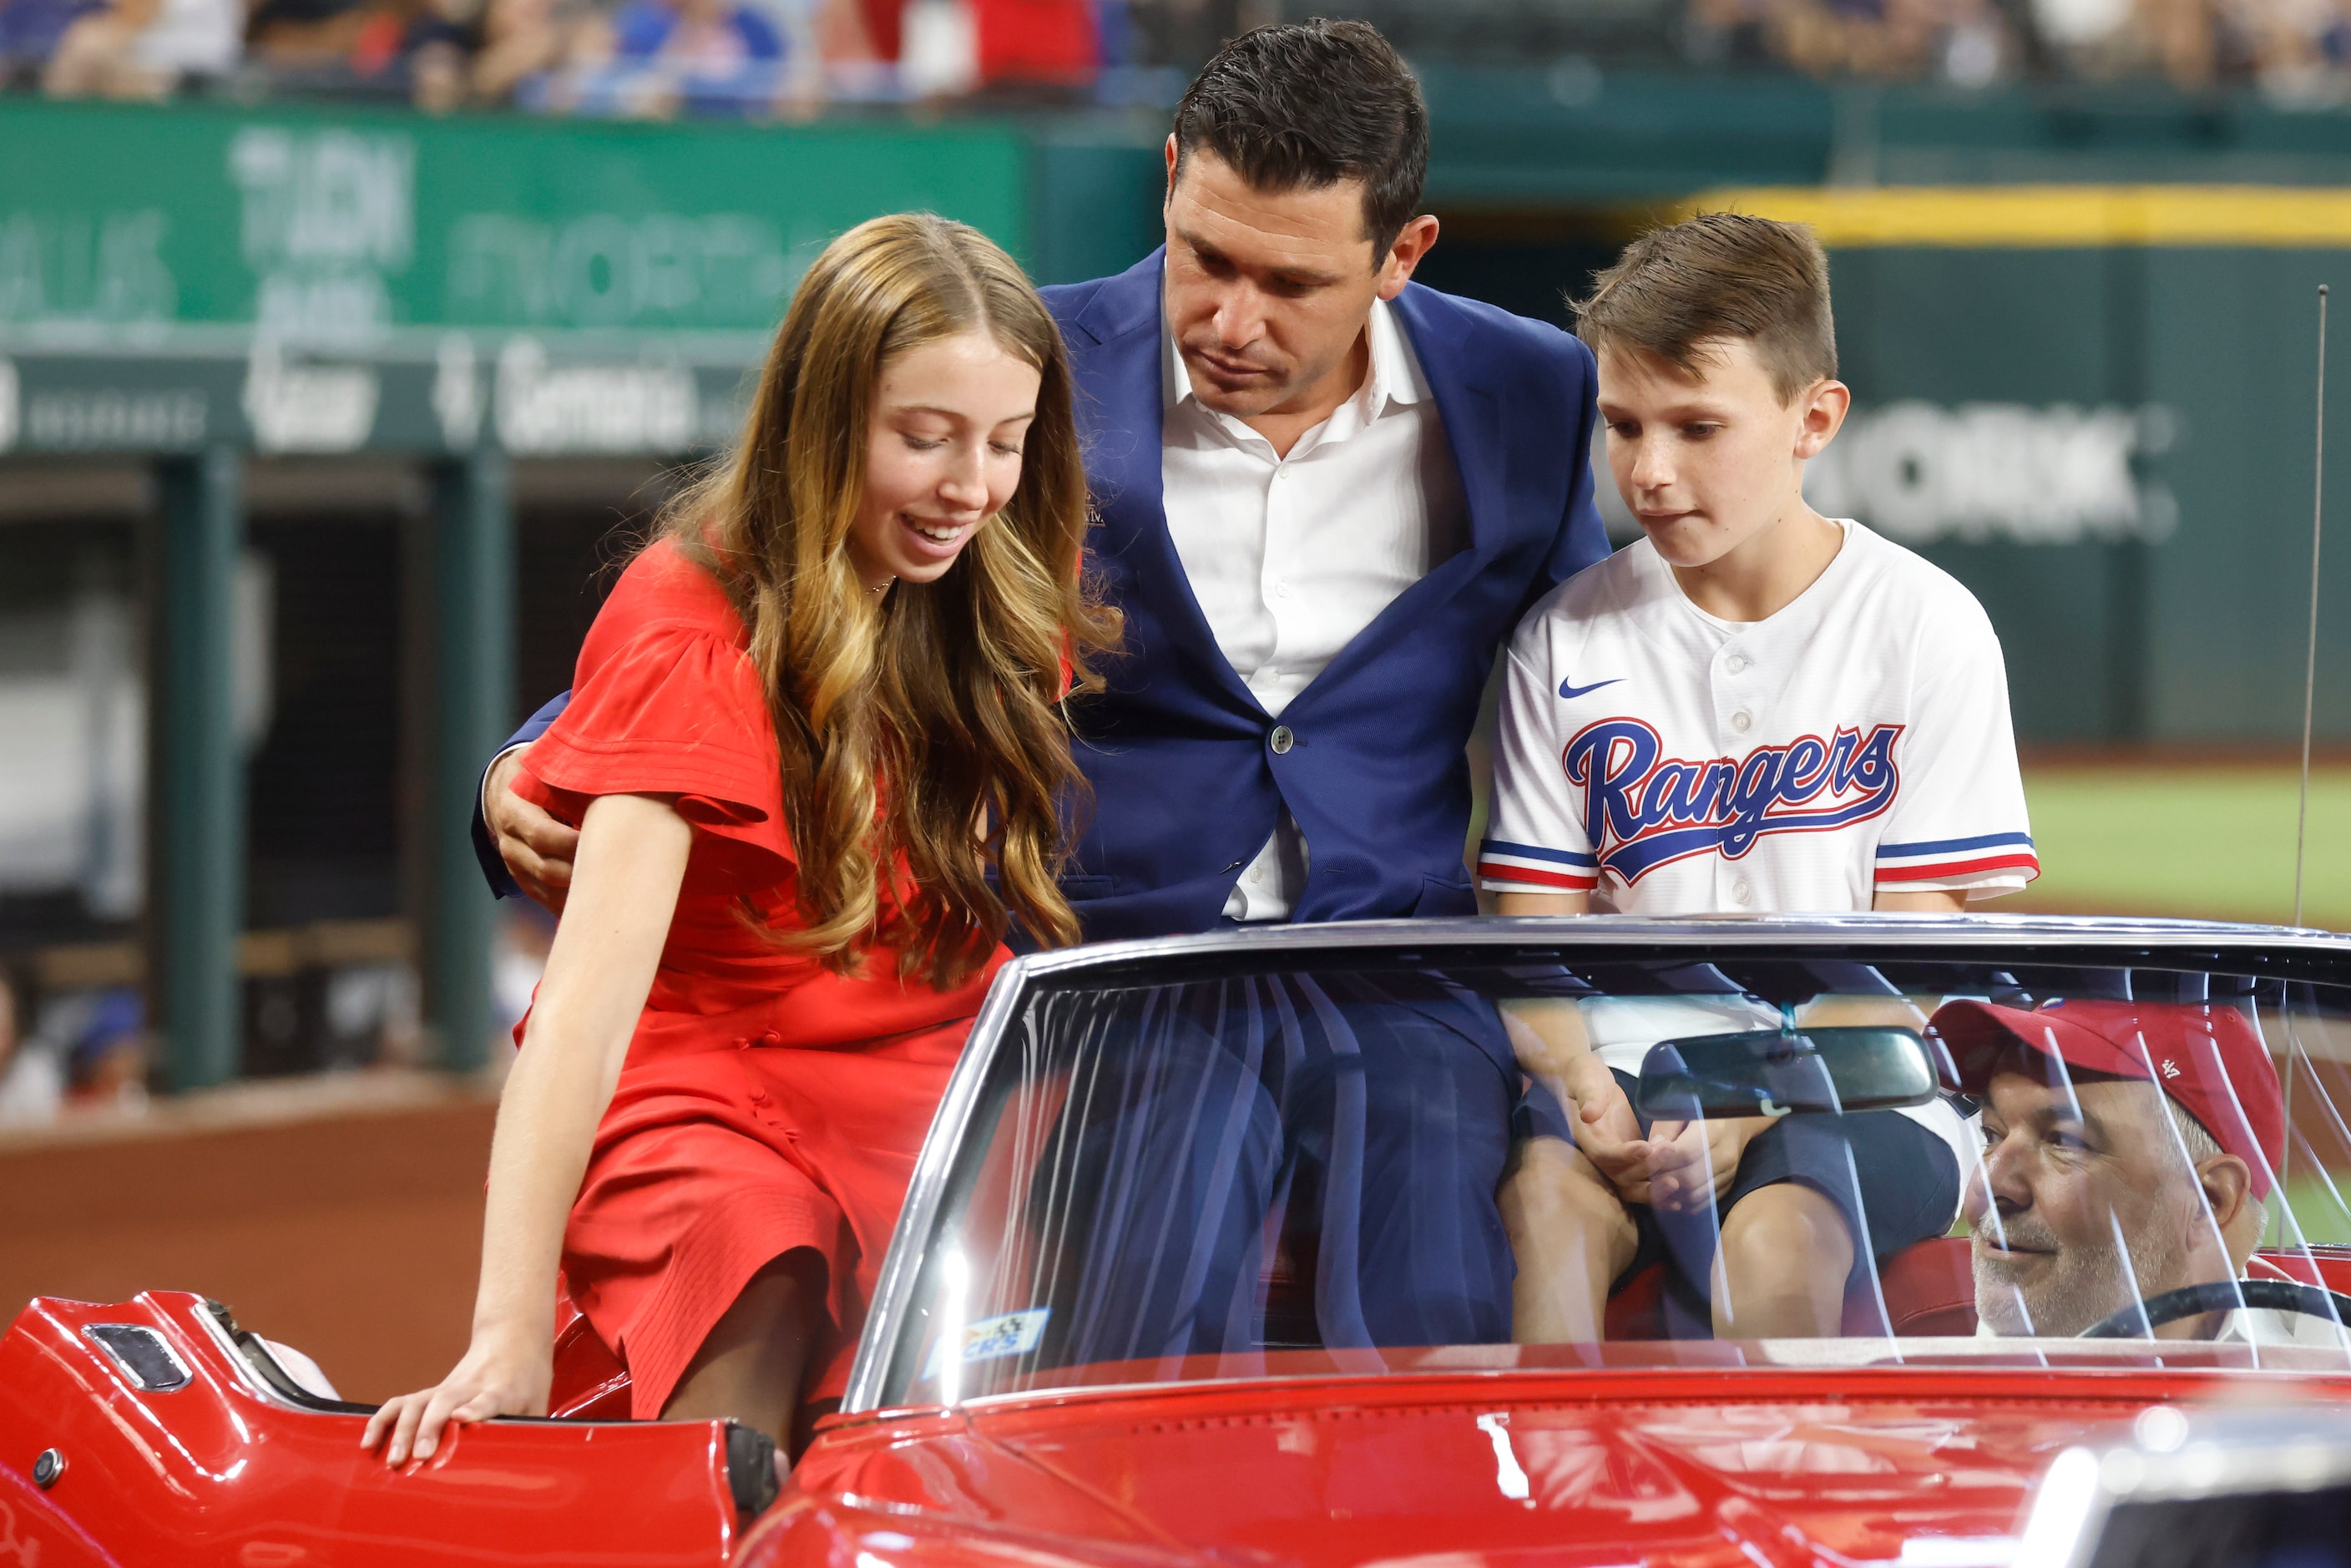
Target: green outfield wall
[2090, 400]
[2094, 405]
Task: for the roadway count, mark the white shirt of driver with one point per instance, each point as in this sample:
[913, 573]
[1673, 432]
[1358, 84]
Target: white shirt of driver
[2260, 1327]
[1667, 762]
[1289, 558]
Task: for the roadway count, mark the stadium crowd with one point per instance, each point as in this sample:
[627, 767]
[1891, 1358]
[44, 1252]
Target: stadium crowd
[634, 58]
[2294, 49]
[788, 58]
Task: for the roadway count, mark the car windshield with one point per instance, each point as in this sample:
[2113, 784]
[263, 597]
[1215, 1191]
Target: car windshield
[1245, 1161]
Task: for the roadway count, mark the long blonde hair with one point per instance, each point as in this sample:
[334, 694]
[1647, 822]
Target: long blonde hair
[925, 725]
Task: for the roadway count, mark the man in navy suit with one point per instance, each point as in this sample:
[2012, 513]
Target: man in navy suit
[1327, 493]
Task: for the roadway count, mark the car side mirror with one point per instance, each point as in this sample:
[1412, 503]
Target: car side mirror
[1773, 1073]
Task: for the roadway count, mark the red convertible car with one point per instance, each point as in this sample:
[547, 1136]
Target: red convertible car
[1151, 1302]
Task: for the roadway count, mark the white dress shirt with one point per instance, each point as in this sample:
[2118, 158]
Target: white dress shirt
[1290, 557]
[2261, 1327]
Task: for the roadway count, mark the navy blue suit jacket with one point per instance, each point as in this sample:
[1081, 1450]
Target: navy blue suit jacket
[1187, 786]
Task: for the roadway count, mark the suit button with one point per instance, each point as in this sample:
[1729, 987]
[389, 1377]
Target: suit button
[771, 1039]
[1283, 740]
[742, 1043]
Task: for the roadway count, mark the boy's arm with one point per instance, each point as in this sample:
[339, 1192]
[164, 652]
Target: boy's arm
[1535, 843]
[1938, 901]
[1554, 1048]
[1544, 904]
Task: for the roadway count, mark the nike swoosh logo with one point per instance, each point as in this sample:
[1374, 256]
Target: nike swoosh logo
[1571, 692]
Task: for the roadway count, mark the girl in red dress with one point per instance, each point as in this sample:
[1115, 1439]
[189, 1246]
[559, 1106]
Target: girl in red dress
[812, 721]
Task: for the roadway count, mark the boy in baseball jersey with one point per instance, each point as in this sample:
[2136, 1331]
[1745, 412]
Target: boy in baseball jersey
[1753, 708]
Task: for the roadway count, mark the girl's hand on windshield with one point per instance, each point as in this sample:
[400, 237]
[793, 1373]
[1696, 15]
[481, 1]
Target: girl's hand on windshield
[500, 1375]
[1691, 1163]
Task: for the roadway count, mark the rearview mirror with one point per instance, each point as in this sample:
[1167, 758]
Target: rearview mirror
[1771, 1073]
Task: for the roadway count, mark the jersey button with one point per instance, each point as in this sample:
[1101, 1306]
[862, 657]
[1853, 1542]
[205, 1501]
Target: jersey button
[1742, 893]
[1282, 740]
[1742, 721]
[1737, 663]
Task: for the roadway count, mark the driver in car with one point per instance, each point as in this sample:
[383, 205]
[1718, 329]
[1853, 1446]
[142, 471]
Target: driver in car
[2128, 1150]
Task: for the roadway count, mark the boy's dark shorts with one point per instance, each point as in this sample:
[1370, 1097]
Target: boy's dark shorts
[1909, 1179]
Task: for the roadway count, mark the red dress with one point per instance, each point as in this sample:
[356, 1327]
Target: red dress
[765, 1102]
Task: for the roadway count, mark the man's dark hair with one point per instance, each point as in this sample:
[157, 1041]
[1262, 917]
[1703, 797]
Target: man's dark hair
[1719, 277]
[1305, 105]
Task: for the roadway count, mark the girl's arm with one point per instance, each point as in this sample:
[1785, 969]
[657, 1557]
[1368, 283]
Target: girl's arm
[632, 860]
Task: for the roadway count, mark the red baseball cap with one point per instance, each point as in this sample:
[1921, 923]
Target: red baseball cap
[2205, 1056]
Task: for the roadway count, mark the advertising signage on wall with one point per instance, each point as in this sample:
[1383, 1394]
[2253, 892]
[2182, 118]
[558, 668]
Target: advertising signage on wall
[2093, 406]
[534, 397]
[353, 230]
[301, 285]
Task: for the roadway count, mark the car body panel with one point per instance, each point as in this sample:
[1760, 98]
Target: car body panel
[225, 1472]
[1479, 1457]
[1649, 1465]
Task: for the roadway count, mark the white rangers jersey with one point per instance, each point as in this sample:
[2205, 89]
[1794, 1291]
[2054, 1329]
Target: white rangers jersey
[1667, 762]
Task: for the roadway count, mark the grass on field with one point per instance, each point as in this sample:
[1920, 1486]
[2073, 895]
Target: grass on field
[2319, 1205]
[2211, 841]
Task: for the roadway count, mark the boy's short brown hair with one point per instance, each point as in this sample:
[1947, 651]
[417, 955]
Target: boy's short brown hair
[1717, 275]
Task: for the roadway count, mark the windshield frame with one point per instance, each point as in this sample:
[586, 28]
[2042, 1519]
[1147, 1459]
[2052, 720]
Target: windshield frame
[2283, 952]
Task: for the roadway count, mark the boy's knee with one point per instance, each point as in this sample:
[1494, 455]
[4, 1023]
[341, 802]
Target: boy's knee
[1550, 1187]
[1783, 1229]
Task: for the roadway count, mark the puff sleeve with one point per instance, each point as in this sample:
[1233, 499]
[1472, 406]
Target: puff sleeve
[666, 702]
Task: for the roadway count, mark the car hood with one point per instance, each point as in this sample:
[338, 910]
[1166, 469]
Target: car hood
[1914, 1468]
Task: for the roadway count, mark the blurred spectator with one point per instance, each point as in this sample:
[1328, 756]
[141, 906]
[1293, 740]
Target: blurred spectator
[294, 35]
[938, 49]
[1025, 45]
[108, 1059]
[416, 49]
[876, 24]
[658, 58]
[1045, 50]
[526, 40]
[1964, 42]
[2297, 50]
[761, 58]
[32, 1084]
[141, 48]
[29, 31]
